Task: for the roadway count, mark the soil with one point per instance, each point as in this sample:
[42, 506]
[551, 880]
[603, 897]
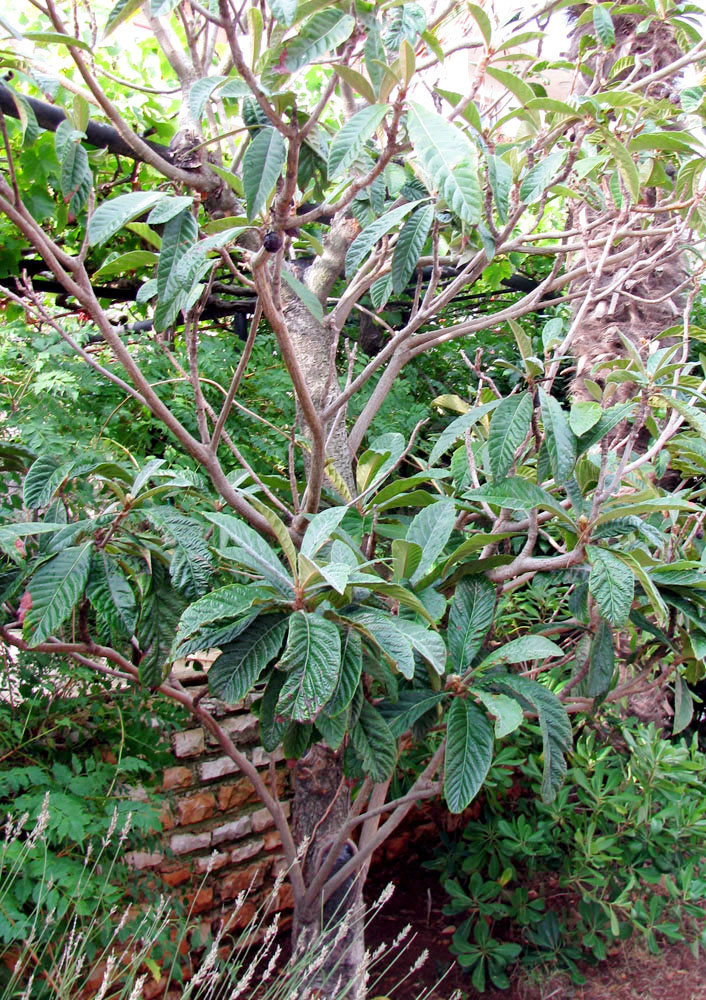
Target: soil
[630, 973]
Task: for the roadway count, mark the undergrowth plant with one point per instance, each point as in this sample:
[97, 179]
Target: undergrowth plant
[618, 853]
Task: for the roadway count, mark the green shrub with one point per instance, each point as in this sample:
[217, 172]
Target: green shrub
[619, 852]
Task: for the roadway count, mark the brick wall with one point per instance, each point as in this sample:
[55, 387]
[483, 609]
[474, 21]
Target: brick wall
[212, 817]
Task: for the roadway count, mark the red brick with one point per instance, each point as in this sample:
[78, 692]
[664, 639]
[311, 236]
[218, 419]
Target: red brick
[200, 900]
[211, 863]
[248, 879]
[177, 876]
[177, 777]
[184, 843]
[273, 841]
[189, 743]
[166, 818]
[195, 808]
[240, 918]
[236, 795]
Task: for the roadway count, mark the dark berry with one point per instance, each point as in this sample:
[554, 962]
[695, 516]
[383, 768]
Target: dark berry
[272, 242]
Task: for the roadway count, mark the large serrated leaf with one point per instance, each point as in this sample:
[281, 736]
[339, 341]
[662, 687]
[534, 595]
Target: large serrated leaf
[611, 583]
[553, 722]
[410, 244]
[122, 10]
[75, 169]
[284, 11]
[349, 676]
[601, 661]
[272, 726]
[349, 141]
[508, 429]
[313, 658]
[253, 552]
[516, 493]
[468, 755]
[262, 166]
[411, 705]
[242, 662]
[374, 743]
[500, 179]
[111, 216]
[41, 481]
[470, 617]
[305, 294]
[383, 630]
[561, 440]
[320, 529]
[527, 647]
[448, 158]
[321, 33]
[603, 25]
[56, 588]
[180, 233]
[111, 594]
[191, 566]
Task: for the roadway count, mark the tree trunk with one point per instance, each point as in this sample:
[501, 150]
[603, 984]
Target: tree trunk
[644, 298]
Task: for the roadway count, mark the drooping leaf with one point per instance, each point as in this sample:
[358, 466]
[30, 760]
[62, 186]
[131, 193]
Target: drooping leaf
[180, 233]
[469, 752]
[683, 706]
[168, 208]
[507, 711]
[584, 415]
[159, 612]
[561, 441]
[224, 603]
[312, 658]
[320, 529]
[56, 588]
[603, 25]
[349, 141]
[411, 705]
[191, 565]
[448, 158]
[500, 179]
[324, 31]
[409, 246]
[508, 429]
[383, 630]
[262, 165]
[601, 661]
[516, 493]
[41, 481]
[553, 722]
[470, 617]
[305, 294]
[611, 583]
[374, 743]
[242, 661]
[349, 676]
[110, 216]
[284, 11]
[122, 10]
[458, 427]
[111, 595]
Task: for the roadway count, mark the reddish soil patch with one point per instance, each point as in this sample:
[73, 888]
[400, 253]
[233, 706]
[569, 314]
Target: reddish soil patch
[630, 973]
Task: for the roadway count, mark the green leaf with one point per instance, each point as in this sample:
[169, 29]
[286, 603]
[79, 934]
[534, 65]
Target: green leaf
[583, 416]
[624, 161]
[611, 584]
[272, 726]
[320, 528]
[349, 675]
[527, 647]
[554, 724]
[357, 81]
[191, 566]
[180, 233]
[111, 216]
[601, 661]
[431, 529]
[168, 208]
[191, 262]
[603, 26]
[513, 83]
[482, 20]
[313, 658]
[406, 557]
[160, 608]
[253, 552]
[41, 481]
[516, 493]
[349, 141]
[303, 293]
[508, 712]
[540, 176]
[609, 419]
[284, 11]
[382, 629]
[122, 11]
[409, 246]
[457, 428]
[468, 755]
[57, 38]
[133, 260]
[448, 158]
[470, 617]
[366, 240]
[75, 169]
[226, 602]
[111, 594]
[508, 429]
[500, 179]
[200, 93]
[262, 166]
[408, 709]
[321, 33]
[374, 743]
[683, 706]
[56, 588]
[241, 662]
[561, 441]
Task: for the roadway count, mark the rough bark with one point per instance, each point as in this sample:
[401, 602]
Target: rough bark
[640, 299]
